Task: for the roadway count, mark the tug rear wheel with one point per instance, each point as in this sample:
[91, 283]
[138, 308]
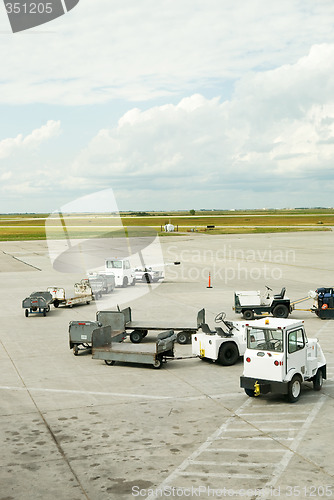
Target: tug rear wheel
[228, 354]
[281, 311]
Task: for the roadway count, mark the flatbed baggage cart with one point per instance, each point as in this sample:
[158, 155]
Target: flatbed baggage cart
[59, 297]
[37, 303]
[105, 348]
[139, 329]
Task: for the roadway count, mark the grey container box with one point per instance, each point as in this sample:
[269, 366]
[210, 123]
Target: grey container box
[80, 333]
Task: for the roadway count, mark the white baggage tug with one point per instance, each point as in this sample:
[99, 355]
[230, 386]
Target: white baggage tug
[224, 344]
[279, 357]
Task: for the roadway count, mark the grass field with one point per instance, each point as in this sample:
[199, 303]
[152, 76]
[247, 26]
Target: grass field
[33, 226]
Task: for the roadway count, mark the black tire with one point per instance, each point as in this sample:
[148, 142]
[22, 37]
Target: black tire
[228, 354]
[182, 338]
[281, 311]
[248, 314]
[56, 303]
[294, 389]
[48, 309]
[44, 312]
[26, 312]
[109, 363]
[318, 380]
[250, 392]
[146, 278]
[125, 282]
[75, 350]
[87, 302]
[136, 337]
[158, 364]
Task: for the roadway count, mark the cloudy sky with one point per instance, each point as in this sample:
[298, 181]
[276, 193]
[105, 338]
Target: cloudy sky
[173, 104]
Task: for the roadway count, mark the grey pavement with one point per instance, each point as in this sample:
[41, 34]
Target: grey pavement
[75, 428]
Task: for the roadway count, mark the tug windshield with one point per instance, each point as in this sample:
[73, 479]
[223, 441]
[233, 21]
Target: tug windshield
[265, 339]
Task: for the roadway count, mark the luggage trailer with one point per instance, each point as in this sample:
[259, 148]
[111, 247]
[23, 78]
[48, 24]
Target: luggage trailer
[139, 329]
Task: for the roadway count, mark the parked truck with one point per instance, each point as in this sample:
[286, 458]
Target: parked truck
[279, 358]
[121, 269]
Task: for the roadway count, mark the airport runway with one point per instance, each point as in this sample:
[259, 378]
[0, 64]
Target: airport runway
[74, 428]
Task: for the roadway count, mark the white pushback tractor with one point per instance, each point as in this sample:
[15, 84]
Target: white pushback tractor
[279, 357]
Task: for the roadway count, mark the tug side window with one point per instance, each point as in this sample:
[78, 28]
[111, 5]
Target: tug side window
[296, 341]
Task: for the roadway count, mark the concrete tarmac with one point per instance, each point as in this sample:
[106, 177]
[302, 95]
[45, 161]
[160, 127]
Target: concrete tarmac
[74, 428]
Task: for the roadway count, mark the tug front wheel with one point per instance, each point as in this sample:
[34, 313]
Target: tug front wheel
[294, 389]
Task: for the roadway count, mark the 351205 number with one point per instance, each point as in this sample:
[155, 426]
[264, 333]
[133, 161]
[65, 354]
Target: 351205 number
[29, 8]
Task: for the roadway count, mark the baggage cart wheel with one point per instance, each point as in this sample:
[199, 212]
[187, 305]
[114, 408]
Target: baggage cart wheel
[26, 312]
[44, 312]
[294, 389]
[318, 380]
[48, 309]
[158, 363]
[136, 337]
[87, 302]
[250, 393]
[182, 338]
[56, 303]
[248, 314]
[75, 350]
[109, 363]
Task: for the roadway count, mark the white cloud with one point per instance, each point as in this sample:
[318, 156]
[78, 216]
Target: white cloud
[142, 50]
[279, 126]
[19, 143]
[270, 143]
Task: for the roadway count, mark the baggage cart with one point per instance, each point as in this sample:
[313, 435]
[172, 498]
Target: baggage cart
[59, 297]
[37, 303]
[80, 334]
[139, 329]
[105, 348]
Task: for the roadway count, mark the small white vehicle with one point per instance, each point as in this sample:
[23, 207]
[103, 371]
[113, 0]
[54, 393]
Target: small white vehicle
[148, 275]
[225, 344]
[279, 357]
[121, 269]
[249, 303]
